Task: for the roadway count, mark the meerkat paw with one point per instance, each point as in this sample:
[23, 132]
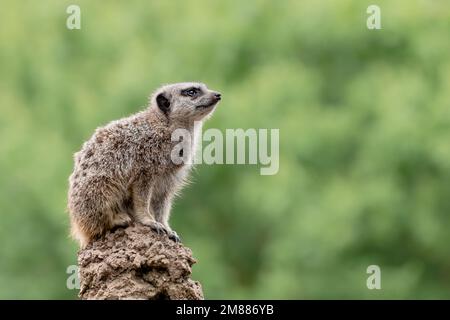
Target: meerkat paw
[121, 220]
[174, 236]
[158, 227]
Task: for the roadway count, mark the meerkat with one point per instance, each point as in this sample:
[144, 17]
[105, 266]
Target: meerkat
[125, 172]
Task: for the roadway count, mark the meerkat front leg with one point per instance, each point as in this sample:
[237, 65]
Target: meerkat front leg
[161, 203]
[141, 190]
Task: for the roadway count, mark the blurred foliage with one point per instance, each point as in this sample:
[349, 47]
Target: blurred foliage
[364, 124]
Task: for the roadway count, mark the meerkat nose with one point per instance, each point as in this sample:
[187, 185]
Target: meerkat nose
[218, 96]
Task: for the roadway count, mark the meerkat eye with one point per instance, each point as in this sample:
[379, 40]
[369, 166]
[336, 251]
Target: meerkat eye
[192, 92]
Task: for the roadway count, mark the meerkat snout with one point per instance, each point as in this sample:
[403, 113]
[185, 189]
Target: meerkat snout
[214, 97]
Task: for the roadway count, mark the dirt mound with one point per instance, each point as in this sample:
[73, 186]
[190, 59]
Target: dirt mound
[137, 263]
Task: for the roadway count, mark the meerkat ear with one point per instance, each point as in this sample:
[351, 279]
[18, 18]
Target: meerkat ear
[163, 103]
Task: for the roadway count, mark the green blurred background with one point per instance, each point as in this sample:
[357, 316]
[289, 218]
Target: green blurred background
[364, 119]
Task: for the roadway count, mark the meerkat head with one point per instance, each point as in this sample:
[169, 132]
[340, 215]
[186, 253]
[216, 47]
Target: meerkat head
[185, 101]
